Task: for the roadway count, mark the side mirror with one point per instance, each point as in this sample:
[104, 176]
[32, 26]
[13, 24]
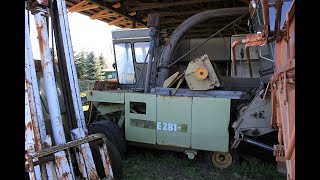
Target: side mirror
[114, 65]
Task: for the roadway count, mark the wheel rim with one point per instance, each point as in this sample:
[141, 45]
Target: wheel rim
[221, 159]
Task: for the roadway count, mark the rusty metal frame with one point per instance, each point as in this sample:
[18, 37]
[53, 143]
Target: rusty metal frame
[37, 142]
[34, 121]
[282, 86]
[282, 83]
[47, 154]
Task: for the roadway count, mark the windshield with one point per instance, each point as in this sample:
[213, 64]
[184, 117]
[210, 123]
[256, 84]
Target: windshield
[124, 60]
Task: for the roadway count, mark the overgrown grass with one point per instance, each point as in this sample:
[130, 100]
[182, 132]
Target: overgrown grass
[150, 164]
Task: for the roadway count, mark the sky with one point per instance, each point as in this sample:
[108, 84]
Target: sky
[86, 34]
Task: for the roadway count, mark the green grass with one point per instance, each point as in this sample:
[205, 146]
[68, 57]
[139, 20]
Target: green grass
[257, 169]
[157, 165]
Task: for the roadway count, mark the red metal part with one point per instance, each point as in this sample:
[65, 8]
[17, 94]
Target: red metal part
[266, 20]
[283, 92]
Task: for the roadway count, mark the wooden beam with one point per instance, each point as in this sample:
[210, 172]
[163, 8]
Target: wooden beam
[77, 5]
[144, 6]
[132, 13]
[126, 24]
[105, 16]
[117, 5]
[86, 13]
[116, 21]
[83, 8]
[117, 11]
[94, 16]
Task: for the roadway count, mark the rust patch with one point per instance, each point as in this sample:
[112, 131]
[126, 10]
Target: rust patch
[44, 66]
[80, 165]
[46, 144]
[40, 30]
[105, 85]
[42, 2]
[29, 126]
[93, 174]
[27, 81]
[58, 161]
[256, 39]
[105, 151]
[65, 175]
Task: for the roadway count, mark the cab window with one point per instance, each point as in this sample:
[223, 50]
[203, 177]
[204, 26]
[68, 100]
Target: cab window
[141, 50]
[124, 60]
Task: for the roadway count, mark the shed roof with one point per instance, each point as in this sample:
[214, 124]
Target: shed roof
[134, 13]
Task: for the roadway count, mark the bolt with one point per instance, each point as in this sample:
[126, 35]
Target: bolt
[221, 157]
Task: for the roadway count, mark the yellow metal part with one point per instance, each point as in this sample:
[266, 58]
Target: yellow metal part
[221, 159]
[201, 73]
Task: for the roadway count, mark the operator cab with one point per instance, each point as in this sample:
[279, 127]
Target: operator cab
[130, 51]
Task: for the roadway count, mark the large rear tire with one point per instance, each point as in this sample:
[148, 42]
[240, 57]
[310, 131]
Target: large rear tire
[112, 131]
[115, 144]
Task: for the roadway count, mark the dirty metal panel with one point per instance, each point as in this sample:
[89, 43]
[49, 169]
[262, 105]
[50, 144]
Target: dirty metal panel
[125, 33]
[210, 122]
[105, 96]
[110, 108]
[255, 120]
[140, 126]
[174, 121]
[209, 93]
[216, 48]
[243, 70]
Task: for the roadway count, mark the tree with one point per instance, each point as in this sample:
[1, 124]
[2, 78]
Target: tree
[93, 69]
[102, 65]
[80, 62]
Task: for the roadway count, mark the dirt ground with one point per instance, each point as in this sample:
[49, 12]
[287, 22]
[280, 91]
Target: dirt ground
[154, 164]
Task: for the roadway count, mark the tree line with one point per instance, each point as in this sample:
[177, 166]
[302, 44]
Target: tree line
[89, 66]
